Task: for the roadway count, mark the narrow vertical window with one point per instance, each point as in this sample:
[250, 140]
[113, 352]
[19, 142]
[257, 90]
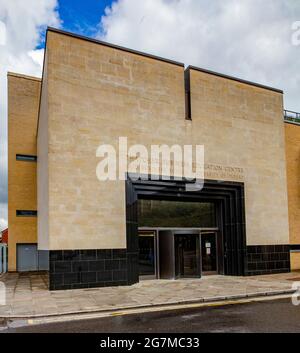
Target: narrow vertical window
[188, 112]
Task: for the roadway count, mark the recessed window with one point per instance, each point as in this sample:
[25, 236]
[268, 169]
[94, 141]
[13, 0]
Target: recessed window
[187, 85]
[26, 158]
[26, 213]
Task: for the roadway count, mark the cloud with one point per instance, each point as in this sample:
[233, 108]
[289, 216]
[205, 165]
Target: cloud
[37, 56]
[3, 215]
[251, 39]
[3, 223]
[22, 26]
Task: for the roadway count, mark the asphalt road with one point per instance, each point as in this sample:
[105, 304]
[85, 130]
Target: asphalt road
[265, 316]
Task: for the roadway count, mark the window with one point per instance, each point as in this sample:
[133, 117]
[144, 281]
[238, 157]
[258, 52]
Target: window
[26, 213]
[187, 85]
[176, 214]
[26, 158]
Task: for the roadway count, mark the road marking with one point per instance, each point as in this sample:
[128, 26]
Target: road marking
[89, 316]
[118, 313]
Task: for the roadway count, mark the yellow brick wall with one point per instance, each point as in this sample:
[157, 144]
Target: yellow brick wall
[292, 141]
[97, 93]
[295, 261]
[23, 102]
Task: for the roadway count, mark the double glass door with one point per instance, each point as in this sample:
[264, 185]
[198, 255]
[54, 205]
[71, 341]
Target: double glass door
[195, 255]
[177, 254]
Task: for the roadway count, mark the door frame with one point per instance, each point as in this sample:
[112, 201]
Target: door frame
[186, 233]
[180, 231]
[152, 233]
[215, 233]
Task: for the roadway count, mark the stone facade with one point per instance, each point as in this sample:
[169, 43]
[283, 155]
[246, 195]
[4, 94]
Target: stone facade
[93, 93]
[100, 93]
[121, 94]
[23, 105]
[292, 133]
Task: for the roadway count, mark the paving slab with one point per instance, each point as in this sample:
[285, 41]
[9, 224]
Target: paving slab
[27, 295]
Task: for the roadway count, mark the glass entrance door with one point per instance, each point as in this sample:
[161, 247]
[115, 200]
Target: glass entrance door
[209, 253]
[147, 255]
[187, 259]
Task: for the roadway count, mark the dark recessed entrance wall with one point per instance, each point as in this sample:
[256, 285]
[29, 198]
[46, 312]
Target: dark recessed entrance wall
[228, 198]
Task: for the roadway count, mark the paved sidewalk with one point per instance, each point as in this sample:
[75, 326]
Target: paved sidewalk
[27, 294]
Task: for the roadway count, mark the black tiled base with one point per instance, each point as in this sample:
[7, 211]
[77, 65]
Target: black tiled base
[70, 269]
[267, 259]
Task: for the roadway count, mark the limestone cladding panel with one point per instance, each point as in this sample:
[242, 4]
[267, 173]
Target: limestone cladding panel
[23, 102]
[98, 93]
[242, 125]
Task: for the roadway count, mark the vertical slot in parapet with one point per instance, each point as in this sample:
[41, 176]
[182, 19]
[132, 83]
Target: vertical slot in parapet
[188, 110]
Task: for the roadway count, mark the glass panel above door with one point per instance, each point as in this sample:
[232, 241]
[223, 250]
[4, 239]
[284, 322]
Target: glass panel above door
[176, 214]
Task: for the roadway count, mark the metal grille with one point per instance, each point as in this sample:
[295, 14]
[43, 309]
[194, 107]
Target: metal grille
[292, 117]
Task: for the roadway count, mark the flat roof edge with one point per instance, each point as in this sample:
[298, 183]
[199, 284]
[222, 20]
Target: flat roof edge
[292, 122]
[27, 77]
[114, 46]
[190, 67]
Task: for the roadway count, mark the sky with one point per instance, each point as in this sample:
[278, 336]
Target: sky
[251, 39]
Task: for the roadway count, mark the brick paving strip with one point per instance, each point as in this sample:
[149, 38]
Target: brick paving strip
[27, 295]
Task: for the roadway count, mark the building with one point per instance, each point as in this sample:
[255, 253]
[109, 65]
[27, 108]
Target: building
[4, 236]
[90, 233]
